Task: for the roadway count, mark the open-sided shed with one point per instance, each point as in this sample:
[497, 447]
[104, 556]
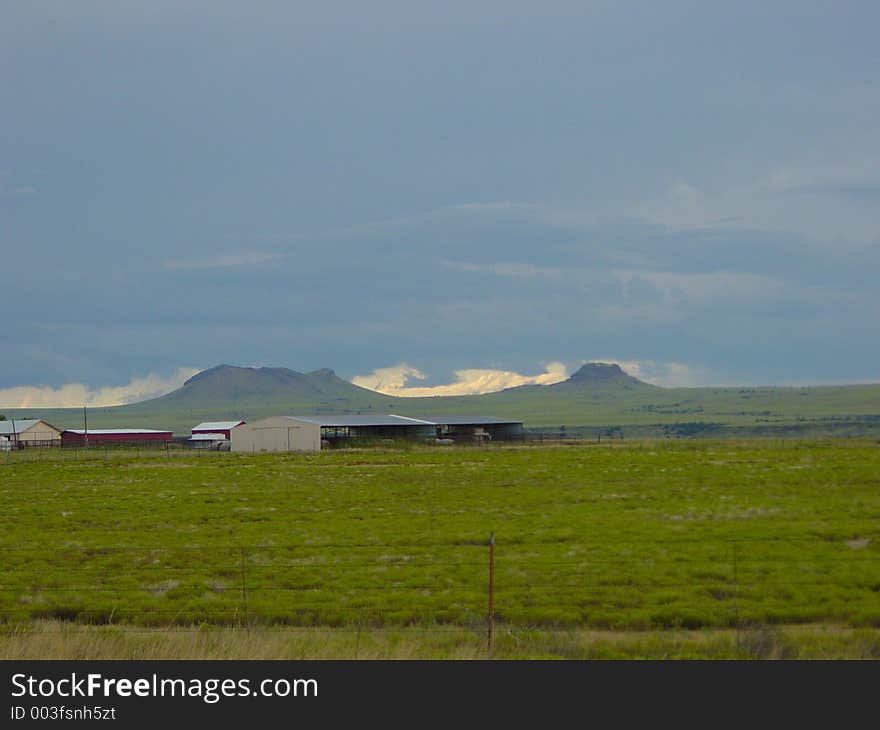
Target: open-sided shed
[476, 428]
[310, 433]
[306, 433]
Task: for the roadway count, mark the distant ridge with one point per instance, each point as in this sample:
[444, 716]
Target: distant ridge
[243, 386]
[598, 396]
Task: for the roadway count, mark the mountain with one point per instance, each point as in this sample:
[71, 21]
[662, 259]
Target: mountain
[285, 390]
[602, 374]
[599, 397]
[228, 385]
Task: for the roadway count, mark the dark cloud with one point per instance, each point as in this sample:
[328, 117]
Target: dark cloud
[452, 185]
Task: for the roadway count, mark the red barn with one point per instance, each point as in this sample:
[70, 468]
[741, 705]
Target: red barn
[105, 436]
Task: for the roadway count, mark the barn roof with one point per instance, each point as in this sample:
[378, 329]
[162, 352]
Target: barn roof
[20, 425]
[110, 431]
[394, 420]
[469, 420]
[216, 425]
[360, 420]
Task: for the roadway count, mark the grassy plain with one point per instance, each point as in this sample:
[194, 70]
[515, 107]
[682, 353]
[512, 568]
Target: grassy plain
[634, 545]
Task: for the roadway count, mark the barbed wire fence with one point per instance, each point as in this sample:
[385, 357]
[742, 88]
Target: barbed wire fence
[31, 451]
[481, 587]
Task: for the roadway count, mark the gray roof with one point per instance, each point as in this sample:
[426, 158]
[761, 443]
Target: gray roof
[109, 431]
[361, 420]
[21, 424]
[217, 425]
[392, 420]
[469, 420]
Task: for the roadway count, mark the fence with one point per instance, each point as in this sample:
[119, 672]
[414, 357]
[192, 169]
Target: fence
[181, 447]
[10, 444]
[68, 452]
[630, 585]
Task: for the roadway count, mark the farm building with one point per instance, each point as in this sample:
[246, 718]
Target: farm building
[115, 436]
[213, 435]
[210, 441]
[476, 428]
[30, 433]
[222, 428]
[310, 433]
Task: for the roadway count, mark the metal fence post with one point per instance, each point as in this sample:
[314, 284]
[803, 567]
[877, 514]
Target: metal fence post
[491, 617]
[244, 590]
[735, 594]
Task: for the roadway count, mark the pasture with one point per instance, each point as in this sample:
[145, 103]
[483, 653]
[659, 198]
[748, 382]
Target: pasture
[628, 543]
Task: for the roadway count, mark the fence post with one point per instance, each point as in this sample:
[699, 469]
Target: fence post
[735, 595]
[244, 590]
[491, 617]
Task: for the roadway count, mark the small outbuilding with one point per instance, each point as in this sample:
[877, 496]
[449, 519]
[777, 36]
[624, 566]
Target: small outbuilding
[213, 435]
[209, 441]
[28, 433]
[115, 436]
[219, 428]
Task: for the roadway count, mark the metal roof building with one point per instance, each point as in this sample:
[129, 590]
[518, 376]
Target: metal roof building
[115, 431]
[467, 420]
[214, 426]
[310, 433]
[475, 428]
[362, 421]
[19, 433]
[219, 428]
[132, 436]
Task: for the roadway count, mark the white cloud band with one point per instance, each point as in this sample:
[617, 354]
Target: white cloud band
[74, 395]
[393, 380]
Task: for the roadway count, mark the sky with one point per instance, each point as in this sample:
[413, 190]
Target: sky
[424, 194]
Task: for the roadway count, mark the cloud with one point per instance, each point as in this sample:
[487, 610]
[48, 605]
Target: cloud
[521, 271]
[388, 380]
[703, 288]
[821, 202]
[860, 177]
[18, 190]
[393, 380]
[73, 395]
[242, 258]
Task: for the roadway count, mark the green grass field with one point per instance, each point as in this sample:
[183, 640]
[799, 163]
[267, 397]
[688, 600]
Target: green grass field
[636, 539]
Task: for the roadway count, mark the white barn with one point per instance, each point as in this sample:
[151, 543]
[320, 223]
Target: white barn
[28, 433]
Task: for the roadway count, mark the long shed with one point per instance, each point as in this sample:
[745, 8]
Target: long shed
[117, 436]
[310, 433]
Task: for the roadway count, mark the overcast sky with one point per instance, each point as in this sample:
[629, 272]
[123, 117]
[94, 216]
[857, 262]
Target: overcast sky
[688, 187]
